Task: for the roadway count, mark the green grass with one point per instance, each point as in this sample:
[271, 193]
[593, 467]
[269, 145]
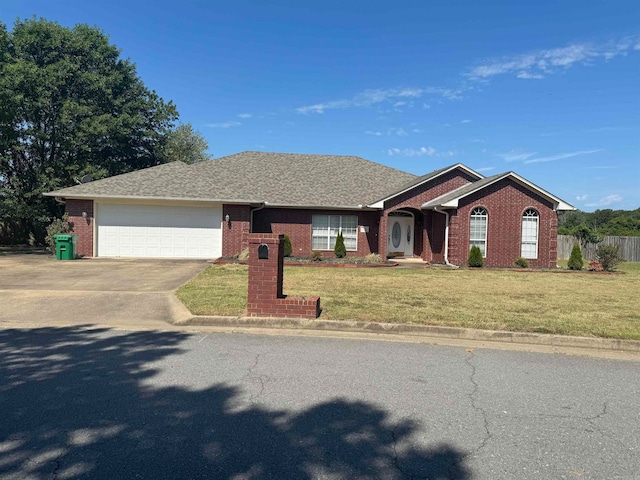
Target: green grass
[571, 303]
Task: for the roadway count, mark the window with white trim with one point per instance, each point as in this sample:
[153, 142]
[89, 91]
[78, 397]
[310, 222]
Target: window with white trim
[478, 230]
[529, 234]
[325, 230]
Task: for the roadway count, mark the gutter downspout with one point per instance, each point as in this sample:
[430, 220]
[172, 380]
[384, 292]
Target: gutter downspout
[264, 204]
[446, 237]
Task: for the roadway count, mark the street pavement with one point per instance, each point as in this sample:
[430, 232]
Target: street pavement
[87, 402]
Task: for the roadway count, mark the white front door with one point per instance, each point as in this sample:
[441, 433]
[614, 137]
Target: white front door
[400, 235]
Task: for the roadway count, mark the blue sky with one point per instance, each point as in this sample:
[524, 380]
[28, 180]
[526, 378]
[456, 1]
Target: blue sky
[550, 90]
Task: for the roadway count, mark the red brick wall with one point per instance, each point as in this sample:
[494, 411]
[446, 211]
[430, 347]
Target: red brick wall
[415, 197]
[83, 227]
[505, 201]
[296, 223]
[265, 297]
[412, 200]
[234, 237]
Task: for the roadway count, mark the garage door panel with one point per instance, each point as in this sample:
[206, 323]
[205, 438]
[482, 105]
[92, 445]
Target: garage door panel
[159, 231]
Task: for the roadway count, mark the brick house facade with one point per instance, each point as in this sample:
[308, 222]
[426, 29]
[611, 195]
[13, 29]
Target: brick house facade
[432, 214]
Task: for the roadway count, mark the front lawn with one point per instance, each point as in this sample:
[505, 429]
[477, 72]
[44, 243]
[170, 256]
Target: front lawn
[549, 302]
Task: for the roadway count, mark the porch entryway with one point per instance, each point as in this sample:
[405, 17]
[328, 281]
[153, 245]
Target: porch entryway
[400, 233]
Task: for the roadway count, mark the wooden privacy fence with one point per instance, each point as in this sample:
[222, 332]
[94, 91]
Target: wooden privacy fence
[629, 247]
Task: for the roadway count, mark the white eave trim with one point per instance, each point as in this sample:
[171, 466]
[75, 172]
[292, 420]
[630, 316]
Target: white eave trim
[380, 203]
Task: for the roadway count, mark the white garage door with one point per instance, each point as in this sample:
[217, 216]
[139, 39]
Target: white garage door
[159, 231]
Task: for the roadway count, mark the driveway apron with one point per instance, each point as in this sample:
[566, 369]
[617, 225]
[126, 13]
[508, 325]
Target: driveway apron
[36, 290]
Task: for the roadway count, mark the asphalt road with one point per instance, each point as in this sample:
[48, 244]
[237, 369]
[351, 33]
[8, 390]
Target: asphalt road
[93, 403]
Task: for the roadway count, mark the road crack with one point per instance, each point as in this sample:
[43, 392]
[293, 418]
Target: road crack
[260, 379]
[396, 459]
[474, 404]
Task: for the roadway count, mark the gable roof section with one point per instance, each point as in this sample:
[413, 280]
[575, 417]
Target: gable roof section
[278, 179]
[452, 198]
[379, 203]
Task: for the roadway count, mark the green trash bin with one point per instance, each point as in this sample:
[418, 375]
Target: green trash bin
[66, 246]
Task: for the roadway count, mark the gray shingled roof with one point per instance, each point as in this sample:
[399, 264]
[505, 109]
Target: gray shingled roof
[275, 178]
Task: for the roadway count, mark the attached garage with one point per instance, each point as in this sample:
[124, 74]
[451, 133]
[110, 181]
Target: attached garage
[158, 231]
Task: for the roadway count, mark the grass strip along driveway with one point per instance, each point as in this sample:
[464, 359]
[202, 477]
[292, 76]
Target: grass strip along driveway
[571, 303]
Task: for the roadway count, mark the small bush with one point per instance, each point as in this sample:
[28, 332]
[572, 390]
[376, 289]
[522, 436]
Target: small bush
[287, 246]
[243, 255]
[608, 256]
[575, 259]
[59, 226]
[521, 262]
[316, 256]
[340, 250]
[594, 266]
[475, 257]
[373, 258]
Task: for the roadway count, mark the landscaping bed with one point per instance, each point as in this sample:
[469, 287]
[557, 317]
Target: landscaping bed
[493, 299]
[315, 262]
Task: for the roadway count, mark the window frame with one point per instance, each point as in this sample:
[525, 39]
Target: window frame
[475, 216]
[327, 233]
[527, 215]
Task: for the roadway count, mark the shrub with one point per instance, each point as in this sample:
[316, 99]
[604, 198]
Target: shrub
[59, 226]
[521, 262]
[373, 258]
[575, 259]
[316, 256]
[475, 257]
[340, 250]
[608, 256]
[287, 246]
[594, 266]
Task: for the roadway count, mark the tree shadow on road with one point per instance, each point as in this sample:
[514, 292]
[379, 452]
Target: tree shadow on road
[76, 403]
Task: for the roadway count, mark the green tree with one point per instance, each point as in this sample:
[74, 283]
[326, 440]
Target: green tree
[340, 250]
[575, 259]
[70, 106]
[475, 257]
[185, 145]
[288, 250]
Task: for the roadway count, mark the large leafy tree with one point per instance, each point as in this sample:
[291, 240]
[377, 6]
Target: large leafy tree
[70, 106]
[185, 145]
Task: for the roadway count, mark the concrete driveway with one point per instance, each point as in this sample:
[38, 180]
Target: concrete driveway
[36, 290]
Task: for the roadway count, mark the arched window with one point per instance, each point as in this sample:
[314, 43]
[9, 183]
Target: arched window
[529, 234]
[478, 229]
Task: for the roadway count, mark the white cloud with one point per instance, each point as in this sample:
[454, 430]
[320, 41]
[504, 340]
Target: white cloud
[465, 121]
[399, 104]
[426, 106]
[230, 123]
[401, 132]
[245, 115]
[561, 156]
[606, 201]
[410, 152]
[368, 98]
[377, 134]
[581, 198]
[484, 169]
[515, 156]
[416, 130]
[538, 64]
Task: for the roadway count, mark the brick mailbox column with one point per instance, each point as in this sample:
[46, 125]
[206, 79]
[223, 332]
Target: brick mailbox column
[266, 260]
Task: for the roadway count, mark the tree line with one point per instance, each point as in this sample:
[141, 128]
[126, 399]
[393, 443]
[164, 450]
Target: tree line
[593, 225]
[70, 106]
